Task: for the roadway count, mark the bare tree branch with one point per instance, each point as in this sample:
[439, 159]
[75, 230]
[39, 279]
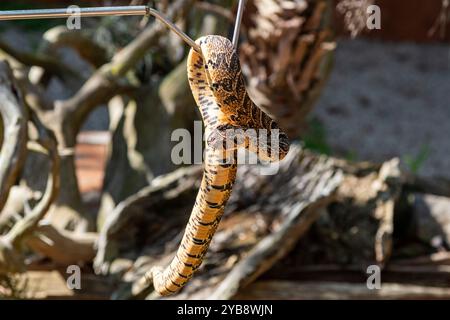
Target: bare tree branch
[14, 120]
[216, 9]
[11, 260]
[25, 227]
[53, 66]
[79, 40]
[339, 290]
[62, 246]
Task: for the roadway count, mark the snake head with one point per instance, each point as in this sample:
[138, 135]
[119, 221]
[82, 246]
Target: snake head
[240, 122]
[223, 72]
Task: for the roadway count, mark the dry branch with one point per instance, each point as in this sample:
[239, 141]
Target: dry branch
[52, 284]
[430, 219]
[28, 224]
[11, 260]
[433, 185]
[357, 227]
[337, 290]
[61, 246]
[216, 9]
[56, 67]
[437, 258]
[370, 206]
[131, 54]
[14, 122]
[11, 243]
[79, 40]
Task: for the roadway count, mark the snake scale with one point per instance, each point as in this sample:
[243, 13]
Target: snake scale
[218, 87]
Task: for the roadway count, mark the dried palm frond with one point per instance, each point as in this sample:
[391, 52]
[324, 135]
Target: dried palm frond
[286, 57]
[355, 14]
[442, 21]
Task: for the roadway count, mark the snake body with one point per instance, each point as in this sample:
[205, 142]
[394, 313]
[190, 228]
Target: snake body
[218, 88]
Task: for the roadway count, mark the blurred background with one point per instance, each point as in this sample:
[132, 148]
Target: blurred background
[367, 110]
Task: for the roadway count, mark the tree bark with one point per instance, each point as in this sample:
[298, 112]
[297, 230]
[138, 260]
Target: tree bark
[287, 290]
[14, 122]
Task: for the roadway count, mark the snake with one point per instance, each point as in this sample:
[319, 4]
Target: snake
[217, 84]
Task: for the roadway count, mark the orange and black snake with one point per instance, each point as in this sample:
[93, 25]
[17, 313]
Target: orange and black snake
[218, 87]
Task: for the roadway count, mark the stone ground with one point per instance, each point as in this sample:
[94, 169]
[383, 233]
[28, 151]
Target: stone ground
[388, 100]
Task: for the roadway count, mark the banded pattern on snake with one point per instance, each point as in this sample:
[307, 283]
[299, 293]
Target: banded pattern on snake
[218, 87]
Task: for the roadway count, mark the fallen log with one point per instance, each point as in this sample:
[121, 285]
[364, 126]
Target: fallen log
[52, 284]
[254, 226]
[357, 227]
[334, 290]
[61, 246]
[316, 209]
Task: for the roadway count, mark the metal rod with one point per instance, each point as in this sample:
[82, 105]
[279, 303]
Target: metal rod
[70, 12]
[174, 28]
[237, 26]
[97, 12]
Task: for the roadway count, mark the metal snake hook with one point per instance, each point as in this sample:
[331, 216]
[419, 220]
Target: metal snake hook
[237, 26]
[174, 28]
[97, 12]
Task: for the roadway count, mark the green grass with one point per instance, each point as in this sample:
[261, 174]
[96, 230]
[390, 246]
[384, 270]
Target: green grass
[416, 162]
[315, 138]
[351, 156]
